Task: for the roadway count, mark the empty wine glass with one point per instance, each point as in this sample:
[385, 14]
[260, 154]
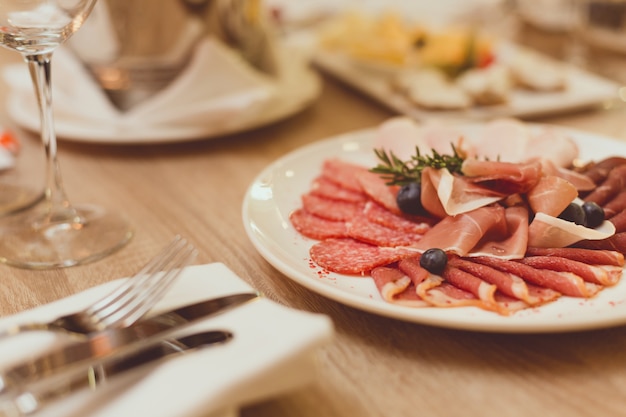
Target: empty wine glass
[53, 233]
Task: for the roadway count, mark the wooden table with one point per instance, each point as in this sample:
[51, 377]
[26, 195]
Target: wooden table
[376, 366]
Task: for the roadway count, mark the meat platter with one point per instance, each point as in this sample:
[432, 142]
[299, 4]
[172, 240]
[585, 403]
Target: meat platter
[277, 193]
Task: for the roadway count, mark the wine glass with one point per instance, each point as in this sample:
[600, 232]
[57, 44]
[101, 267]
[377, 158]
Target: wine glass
[54, 233]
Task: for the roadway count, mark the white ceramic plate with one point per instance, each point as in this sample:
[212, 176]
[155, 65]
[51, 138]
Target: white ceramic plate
[584, 90]
[297, 89]
[276, 192]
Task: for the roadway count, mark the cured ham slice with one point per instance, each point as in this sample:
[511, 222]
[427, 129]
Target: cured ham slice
[331, 209]
[513, 244]
[502, 177]
[588, 256]
[564, 283]
[508, 284]
[580, 181]
[323, 187]
[396, 287]
[444, 194]
[614, 183]
[470, 283]
[551, 232]
[551, 195]
[316, 227]
[351, 257]
[616, 205]
[619, 221]
[459, 234]
[617, 242]
[600, 170]
[589, 273]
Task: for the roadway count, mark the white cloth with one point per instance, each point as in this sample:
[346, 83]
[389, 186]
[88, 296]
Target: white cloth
[273, 351]
[216, 86]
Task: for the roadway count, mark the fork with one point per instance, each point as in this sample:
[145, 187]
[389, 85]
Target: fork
[127, 303]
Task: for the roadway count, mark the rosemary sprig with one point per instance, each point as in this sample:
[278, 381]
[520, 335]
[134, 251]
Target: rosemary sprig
[397, 172]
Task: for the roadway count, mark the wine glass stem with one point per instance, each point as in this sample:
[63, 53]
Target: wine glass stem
[58, 207]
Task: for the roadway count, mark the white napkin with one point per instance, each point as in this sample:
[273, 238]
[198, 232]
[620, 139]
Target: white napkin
[216, 87]
[273, 351]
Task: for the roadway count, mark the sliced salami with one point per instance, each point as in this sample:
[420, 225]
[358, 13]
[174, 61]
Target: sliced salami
[316, 227]
[351, 257]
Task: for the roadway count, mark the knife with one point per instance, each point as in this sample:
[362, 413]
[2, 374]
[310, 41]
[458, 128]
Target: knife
[94, 375]
[116, 341]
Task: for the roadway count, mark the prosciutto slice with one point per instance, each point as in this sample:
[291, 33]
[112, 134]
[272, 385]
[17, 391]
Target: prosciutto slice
[396, 287]
[459, 234]
[589, 273]
[564, 283]
[502, 177]
[551, 195]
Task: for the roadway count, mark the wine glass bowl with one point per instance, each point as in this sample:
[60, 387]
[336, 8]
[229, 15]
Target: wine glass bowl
[53, 233]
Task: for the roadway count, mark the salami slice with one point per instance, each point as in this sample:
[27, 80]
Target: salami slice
[326, 188]
[316, 227]
[331, 209]
[351, 257]
[360, 228]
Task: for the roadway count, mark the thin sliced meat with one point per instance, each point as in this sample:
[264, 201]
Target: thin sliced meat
[600, 170]
[326, 188]
[377, 189]
[617, 242]
[351, 257]
[616, 205]
[619, 221]
[440, 293]
[331, 209]
[395, 287]
[579, 181]
[509, 245]
[343, 173]
[502, 177]
[566, 284]
[413, 224]
[551, 195]
[614, 183]
[459, 234]
[588, 256]
[364, 230]
[316, 227]
[506, 283]
[468, 282]
[589, 273]
[454, 194]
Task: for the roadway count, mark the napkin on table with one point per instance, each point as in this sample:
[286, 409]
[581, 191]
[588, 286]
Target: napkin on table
[218, 85]
[273, 351]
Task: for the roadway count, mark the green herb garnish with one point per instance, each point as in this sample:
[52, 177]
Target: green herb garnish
[397, 172]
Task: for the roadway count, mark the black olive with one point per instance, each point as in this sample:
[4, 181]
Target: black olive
[434, 260]
[594, 214]
[409, 198]
[573, 213]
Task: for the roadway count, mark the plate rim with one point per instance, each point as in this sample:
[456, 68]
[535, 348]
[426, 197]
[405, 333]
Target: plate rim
[488, 321]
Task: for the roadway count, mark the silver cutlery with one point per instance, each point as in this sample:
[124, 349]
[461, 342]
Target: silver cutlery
[116, 342]
[127, 303]
[42, 393]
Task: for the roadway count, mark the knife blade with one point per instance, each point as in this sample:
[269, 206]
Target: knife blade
[94, 375]
[116, 341]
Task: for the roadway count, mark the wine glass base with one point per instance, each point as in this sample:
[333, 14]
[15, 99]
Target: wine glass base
[15, 198]
[31, 245]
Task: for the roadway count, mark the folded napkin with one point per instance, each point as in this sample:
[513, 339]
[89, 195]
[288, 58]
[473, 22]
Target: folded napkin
[273, 351]
[217, 87]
